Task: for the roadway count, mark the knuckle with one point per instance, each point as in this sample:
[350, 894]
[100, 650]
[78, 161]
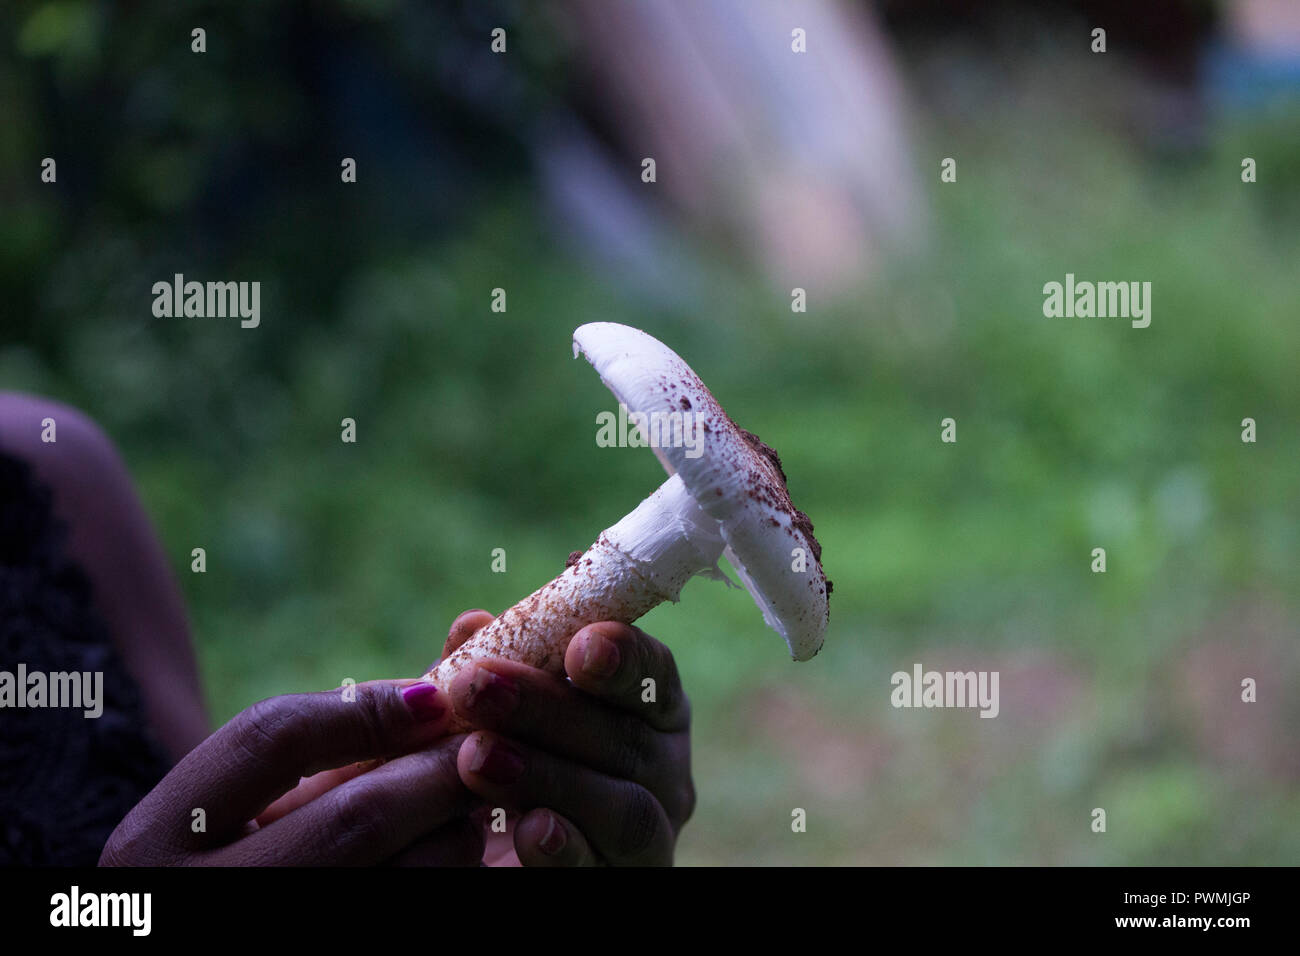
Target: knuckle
[115, 853]
[110, 858]
[437, 769]
[655, 660]
[642, 826]
[439, 763]
[637, 750]
[356, 820]
[672, 702]
[265, 732]
[661, 660]
[134, 844]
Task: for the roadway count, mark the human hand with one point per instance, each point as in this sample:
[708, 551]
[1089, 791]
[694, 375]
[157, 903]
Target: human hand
[599, 774]
[354, 807]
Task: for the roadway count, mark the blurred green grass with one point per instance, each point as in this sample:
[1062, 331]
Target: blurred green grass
[476, 431]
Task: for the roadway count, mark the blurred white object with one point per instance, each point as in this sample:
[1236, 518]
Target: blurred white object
[1271, 27]
[801, 159]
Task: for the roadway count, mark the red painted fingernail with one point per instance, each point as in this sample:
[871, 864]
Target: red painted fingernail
[425, 701]
[555, 838]
[492, 696]
[497, 761]
[600, 658]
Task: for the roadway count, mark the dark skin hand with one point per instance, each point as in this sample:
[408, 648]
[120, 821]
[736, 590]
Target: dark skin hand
[596, 774]
[603, 776]
[409, 810]
[588, 772]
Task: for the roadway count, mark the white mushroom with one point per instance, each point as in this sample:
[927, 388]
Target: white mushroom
[725, 495]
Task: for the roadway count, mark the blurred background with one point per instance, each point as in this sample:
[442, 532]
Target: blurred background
[774, 170]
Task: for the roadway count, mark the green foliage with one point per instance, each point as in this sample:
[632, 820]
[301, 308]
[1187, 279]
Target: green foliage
[476, 430]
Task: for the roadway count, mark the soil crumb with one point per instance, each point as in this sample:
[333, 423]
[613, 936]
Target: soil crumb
[801, 522]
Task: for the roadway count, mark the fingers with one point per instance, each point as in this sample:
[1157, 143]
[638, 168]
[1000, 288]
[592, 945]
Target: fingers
[629, 669]
[264, 751]
[309, 788]
[600, 764]
[620, 820]
[544, 838]
[549, 713]
[367, 820]
[462, 629]
[459, 843]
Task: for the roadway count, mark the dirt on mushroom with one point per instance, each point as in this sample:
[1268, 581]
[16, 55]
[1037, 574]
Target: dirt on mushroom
[800, 521]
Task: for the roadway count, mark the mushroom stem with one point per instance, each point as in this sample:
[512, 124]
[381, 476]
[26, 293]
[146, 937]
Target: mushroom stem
[640, 562]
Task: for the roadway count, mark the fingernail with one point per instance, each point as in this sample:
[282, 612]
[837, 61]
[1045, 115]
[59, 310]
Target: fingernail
[553, 841]
[600, 659]
[497, 761]
[491, 696]
[425, 701]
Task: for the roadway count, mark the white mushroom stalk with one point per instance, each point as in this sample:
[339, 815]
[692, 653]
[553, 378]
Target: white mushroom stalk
[729, 498]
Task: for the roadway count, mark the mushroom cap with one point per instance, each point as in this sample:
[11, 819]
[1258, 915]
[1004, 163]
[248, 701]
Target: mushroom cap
[733, 476]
